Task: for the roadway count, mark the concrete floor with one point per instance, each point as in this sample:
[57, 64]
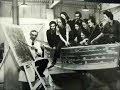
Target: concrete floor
[108, 79]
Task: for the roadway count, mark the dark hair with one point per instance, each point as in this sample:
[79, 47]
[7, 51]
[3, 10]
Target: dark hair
[33, 31]
[78, 24]
[85, 21]
[78, 12]
[63, 21]
[52, 22]
[92, 20]
[66, 15]
[108, 14]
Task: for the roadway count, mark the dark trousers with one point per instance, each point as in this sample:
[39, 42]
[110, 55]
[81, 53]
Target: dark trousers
[58, 50]
[42, 66]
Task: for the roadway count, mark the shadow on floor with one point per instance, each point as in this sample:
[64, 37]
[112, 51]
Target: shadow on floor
[108, 79]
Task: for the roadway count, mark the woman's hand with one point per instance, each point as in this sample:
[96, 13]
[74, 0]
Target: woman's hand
[93, 41]
[54, 47]
[67, 44]
[84, 42]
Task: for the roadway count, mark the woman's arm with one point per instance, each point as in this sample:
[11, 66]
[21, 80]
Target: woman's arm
[66, 43]
[62, 38]
[68, 29]
[95, 39]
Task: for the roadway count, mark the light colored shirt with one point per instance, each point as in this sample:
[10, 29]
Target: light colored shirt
[37, 46]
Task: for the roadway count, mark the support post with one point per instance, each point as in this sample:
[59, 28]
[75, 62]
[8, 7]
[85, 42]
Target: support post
[15, 12]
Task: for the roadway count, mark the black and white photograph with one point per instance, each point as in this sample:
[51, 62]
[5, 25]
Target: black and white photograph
[59, 45]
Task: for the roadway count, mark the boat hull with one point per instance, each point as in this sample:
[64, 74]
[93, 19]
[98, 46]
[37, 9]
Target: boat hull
[90, 57]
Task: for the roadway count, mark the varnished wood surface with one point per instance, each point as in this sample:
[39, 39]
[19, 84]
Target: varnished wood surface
[89, 57]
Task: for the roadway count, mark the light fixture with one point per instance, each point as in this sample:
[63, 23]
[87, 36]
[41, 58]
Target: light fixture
[80, 0]
[24, 4]
[85, 9]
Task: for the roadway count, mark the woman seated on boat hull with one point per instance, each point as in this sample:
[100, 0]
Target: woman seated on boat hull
[111, 30]
[62, 32]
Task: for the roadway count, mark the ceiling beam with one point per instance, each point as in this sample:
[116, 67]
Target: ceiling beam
[104, 1]
[54, 3]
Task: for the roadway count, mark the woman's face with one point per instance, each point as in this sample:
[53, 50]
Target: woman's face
[90, 23]
[106, 18]
[63, 16]
[59, 22]
[82, 35]
[84, 25]
[52, 26]
[76, 27]
[77, 16]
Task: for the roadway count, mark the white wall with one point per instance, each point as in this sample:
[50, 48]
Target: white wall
[34, 10]
[114, 8]
[41, 25]
[29, 24]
